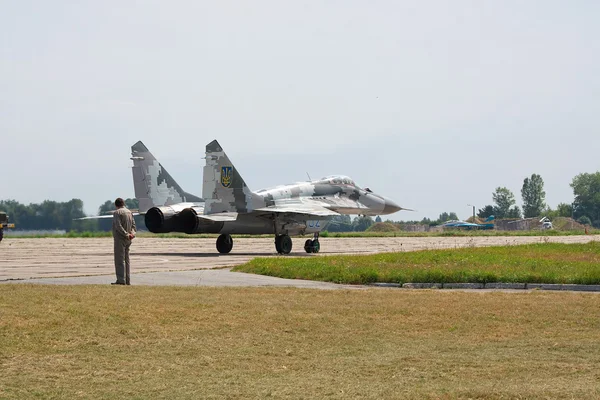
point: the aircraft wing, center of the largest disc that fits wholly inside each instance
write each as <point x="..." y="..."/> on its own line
<point x="104" y="216"/>
<point x="299" y="208"/>
<point x="220" y="217"/>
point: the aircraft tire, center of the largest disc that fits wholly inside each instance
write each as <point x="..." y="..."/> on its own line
<point x="286" y="244"/>
<point x="308" y="246"/>
<point x="316" y="246"/>
<point x="283" y="244"/>
<point x="224" y="243"/>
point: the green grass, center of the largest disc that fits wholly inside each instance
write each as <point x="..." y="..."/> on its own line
<point x="534" y="263"/>
<point x="460" y="233"/>
<point x="103" y="342"/>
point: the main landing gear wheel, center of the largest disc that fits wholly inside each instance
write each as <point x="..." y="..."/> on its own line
<point x="224" y="243"/>
<point x="283" y="244"/>
<point x="312" y="246"/>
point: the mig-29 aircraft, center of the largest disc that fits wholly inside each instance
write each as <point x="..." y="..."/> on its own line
<point x="229" y="207"/>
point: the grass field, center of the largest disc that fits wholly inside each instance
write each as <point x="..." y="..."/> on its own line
<point x="534" y="263"/>
<point x="462" y="233"/>
<point x="189" y="343"/>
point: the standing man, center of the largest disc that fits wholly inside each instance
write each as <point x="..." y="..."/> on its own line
<point x="123" y="230"/>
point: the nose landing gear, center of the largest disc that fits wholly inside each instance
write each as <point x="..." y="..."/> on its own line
<point x="312" y="246"/>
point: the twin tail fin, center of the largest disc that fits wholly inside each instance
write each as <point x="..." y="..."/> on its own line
<point x="223" y="188"/>
<point x="153" y="185"/>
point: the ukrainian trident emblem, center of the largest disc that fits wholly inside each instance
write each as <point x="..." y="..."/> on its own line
<point x="226" y="176"/>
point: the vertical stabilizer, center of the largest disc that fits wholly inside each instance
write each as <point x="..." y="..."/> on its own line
<point x="223" y="188"/>
<point x="153" y="185"/>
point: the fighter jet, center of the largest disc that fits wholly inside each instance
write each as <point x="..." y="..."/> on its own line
<point x="230" y="207"/>
<point x="488" y="224"/>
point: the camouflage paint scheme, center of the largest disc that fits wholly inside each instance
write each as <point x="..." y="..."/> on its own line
<point x="229" y="206"/>
<point x="152" y="183"/>
<point x="157" y="191"/>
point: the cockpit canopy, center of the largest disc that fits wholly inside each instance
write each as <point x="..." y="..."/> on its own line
<point x="337" y="180"/>
<point x="328" y="180"/>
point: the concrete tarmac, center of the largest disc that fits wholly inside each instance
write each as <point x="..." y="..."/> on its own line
<point x="196" y="262"/>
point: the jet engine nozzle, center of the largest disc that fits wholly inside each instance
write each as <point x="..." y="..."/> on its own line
<point x="160" y="219"/>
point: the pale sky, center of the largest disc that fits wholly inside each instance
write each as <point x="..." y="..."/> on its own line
<point x="431" y="103"/>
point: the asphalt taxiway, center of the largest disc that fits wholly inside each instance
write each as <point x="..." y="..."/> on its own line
<point x="195" y="261"/>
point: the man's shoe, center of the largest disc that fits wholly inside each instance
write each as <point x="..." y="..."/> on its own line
<point x="117" y="283"/>
<point x="128" y="283"/>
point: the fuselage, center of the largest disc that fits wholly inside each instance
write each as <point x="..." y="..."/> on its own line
<point x="337" y="193"/>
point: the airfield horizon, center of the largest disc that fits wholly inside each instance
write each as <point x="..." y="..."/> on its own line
<point x="38" y="234"/>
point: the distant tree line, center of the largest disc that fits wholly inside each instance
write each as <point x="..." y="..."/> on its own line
<point x="48" y="215"/>
<point x="53" y="215"/>
<point x="585" y="207"/>
<point x="344" y="223"/>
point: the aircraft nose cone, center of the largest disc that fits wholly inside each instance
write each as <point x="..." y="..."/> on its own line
<point x="390" y="207"/>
